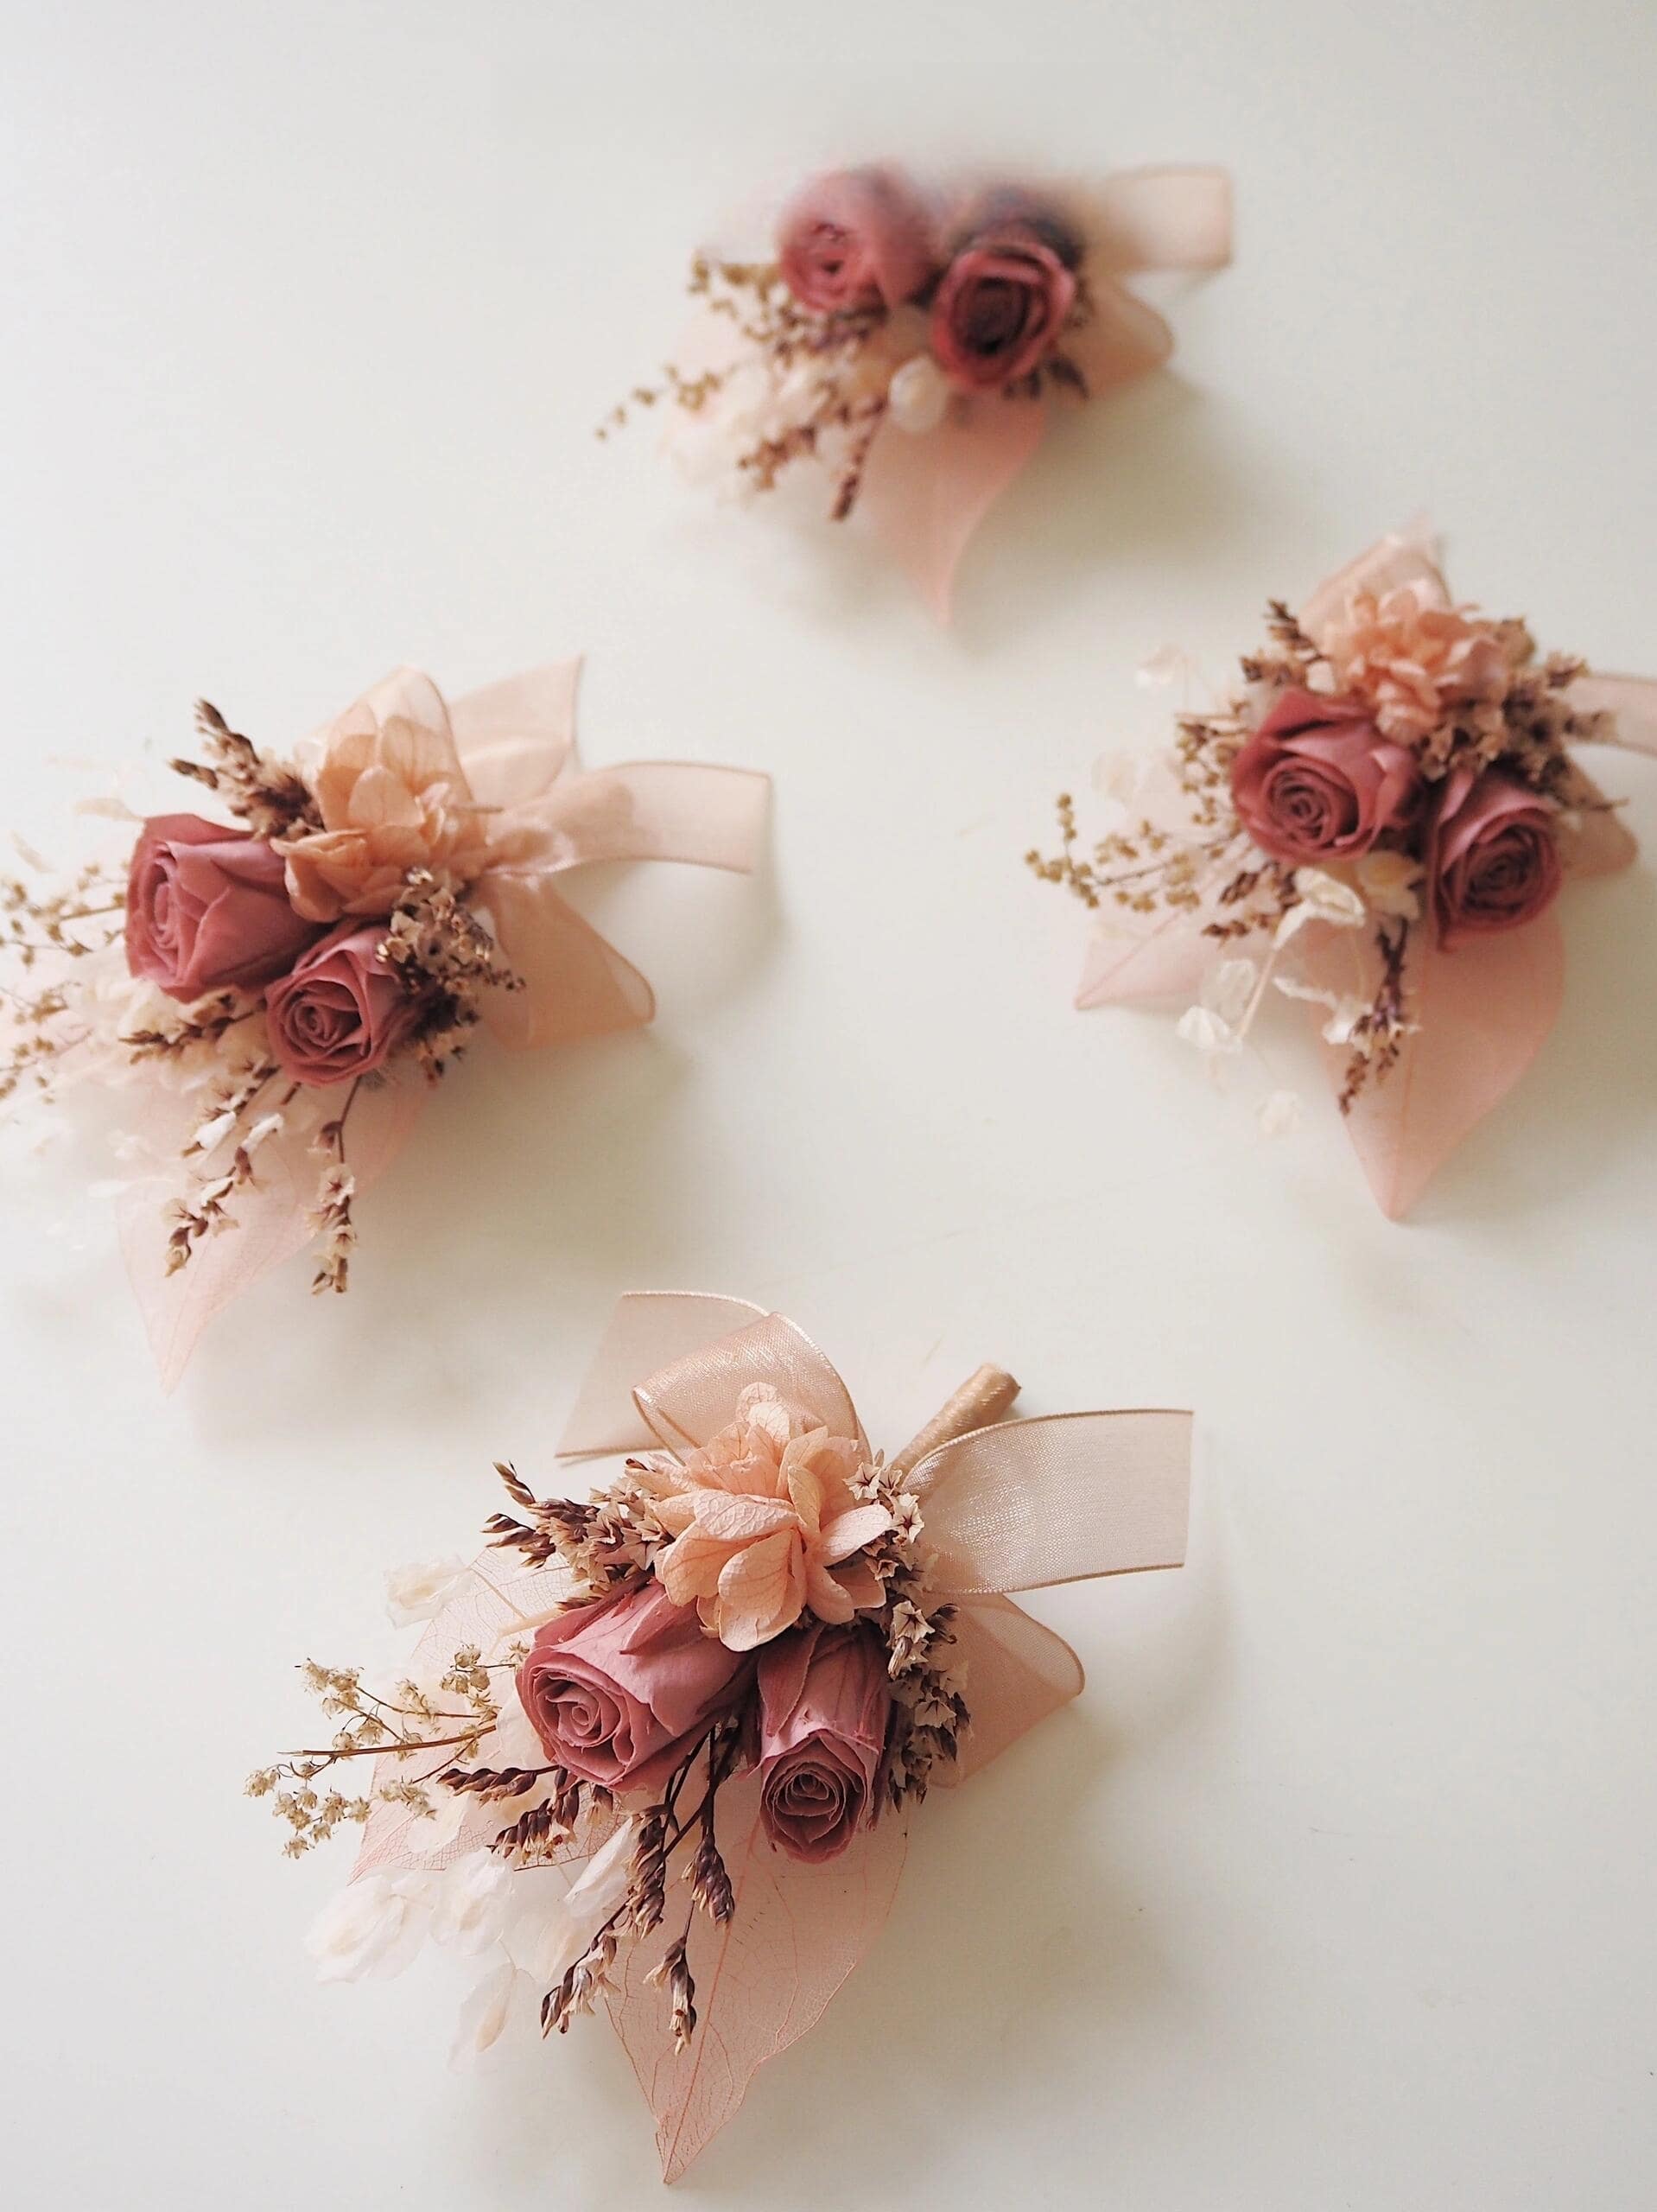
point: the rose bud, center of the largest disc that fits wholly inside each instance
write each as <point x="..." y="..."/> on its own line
<point x="824" y="1702"/>
<point x="341" y="1010"/>
<point x="619" y="1691"/>
<point x="1317" y="781"/>
<point x="1003" y="302"/>
<point x="856" y="239"/>
<point x="207" y="910"/>
<point x="1496" y="855"/>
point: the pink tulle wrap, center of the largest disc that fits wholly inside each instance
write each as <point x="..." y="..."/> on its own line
<point x="1017" y="1506"/>
<point x="1481" y="1009"/>
<point x="512" y="754"/>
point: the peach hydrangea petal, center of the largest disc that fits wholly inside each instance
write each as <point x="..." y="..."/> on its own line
<point x="690" y="1569"/>
<point x="805" y="1494"/>
<point x="731" y="1519"/>
<point x="827" y="1598"/>
<point x="761" y="1590"/>
<point x="858" y="1581"/>
<point x="851" y="1532"/>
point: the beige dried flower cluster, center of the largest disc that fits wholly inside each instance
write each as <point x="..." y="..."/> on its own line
<point x="410" y="1724"/>
<point x="41" y="1021"/>
<point x="809" y="386"/>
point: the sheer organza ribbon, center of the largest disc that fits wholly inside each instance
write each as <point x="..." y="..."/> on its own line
<point x="1481" y="1012"/>
<point x="509" y="756"/>
<point x="925" y="495"/>
<point x="1017" y="1506"/>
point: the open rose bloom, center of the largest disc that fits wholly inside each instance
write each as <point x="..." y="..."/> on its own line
<point x="1378" y="826"/>
<point x="665" y="1761"/>
<point x="275" y="994"/>
<point x="904" y="342"/>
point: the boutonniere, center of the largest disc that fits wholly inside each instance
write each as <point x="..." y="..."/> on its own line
<point x="275" y="981"/>
<point x="905" y="343"/>
<point x="657" y="1750"/>
<point x="1377" y="823"/>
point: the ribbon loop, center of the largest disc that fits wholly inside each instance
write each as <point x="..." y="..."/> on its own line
<point x="693" y="1400"/>
<point x="1167" y="218"/>
<point x="648" y="1331"/>
<point x="1060" y="1498"/>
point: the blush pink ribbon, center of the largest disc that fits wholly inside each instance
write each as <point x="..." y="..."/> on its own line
<point x="925" y="495"/>
<point x="1021" y="1505"/>
<point x="511" y="755"/>
<point x="1481" y="1011"/>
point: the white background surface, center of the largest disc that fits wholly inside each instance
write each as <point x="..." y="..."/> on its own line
<point x="1335" y="1890"/>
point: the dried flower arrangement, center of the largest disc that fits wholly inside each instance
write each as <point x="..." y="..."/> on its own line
<point x="947" y="318"/>
<point x="724" y="1678"/>
<point x="1387" y="808"/>
<point x="279" y="988"/>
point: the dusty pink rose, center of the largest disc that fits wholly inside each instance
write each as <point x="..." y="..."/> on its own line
<point x="207" y="910"/>
<point x="859" y="239"/>
<point x="1415" y="659"/>
<point x="341" y="1011"/>
<point x="824" y="1703"/>
<point x="1317" y="781"/>
<point x="766" y="1524"/>
<point x="617" y="1691"/>
<point x="1496" y="855"/>
<point x="393" y="796"/>
<point x="1003" y="302"/>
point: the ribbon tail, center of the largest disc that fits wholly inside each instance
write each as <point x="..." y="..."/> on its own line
<point x="1061" y="1498"/>
<point x="575" y="983"/>
<point x="924" y="495"/>
<point x="686" y="1403"/>
<point x="1594" y="840"/>
<point x="1631" y="699"/>
<point x="1174" y="218"/>
<point x="1015" y="1673"/>
<point x="762" y="1977"/>
<point x="1124" y="338"/>
<point x="1481" y="1012"/>
<point x="684" y="810"/>
<point x="271" y="1217"/>
<point x="516" y="737"/>
<point x="648" y="1331"/>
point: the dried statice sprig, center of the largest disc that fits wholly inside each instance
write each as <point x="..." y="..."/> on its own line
<point x="271" y="798"/>
<point x="663" y="1829"/>
<point x="929" y="1713"/>
<point x="412" y="1725"/>
<point x="447" y="959"/>
<point x="605" y="1540"/>
<point x="207" y="1207"/>
<point x="672" y="1972"/>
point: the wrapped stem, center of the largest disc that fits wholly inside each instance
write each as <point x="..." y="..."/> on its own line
<point x="986" y="1396"/>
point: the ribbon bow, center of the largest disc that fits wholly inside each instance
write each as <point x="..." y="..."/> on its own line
<point x="503" y="759"/>
<point x="1013" y="1506"/>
